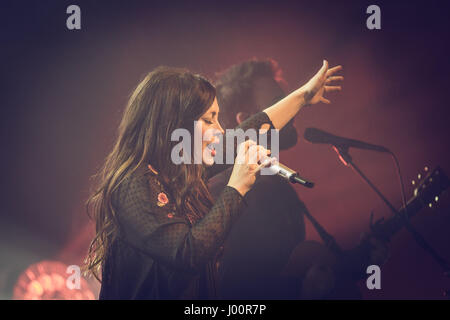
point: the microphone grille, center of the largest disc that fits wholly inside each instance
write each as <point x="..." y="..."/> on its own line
<point x="313" y="135"/>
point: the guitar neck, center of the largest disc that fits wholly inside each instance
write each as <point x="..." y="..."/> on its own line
<point x="427" y="191"/>
<point x="391" y="226"/>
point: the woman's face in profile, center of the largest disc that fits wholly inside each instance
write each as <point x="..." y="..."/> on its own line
<point x="208" y="127"/>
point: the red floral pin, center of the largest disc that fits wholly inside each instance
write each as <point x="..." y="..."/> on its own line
<point x="162" y="199"/>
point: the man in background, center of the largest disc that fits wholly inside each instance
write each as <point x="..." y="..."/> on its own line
<point x="260" y="243"/>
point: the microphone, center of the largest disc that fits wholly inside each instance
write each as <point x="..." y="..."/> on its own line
<point x="288" y="174"/>
<point x="315" y="135"/>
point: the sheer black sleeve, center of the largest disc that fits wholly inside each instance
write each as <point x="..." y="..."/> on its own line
<point x="158" y="230"/>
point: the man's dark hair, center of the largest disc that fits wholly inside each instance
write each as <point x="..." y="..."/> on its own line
<point x="234" y="87"/>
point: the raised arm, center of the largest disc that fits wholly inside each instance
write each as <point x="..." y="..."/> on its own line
<point x="310" y="93"/>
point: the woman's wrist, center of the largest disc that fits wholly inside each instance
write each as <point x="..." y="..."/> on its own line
<point x="286" y="109"/>
<point x="302" y="97"/>
<point x="241" y="189"/>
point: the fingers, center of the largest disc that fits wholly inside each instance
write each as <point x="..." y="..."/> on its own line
<point x="334" y="78"/>
<point x="330" y="78"/>
<point x="267" y="163"/>
<point x="256" y="154"/>
<point x="333" y="70"/>
<point x="325" y="100"/>
<point x="323" y="70"/>
<point x="332" y="88"/>
<point x="250" y="153"/>
<point x="324" y="66"/>
<point x="242" y="151"/>
<point x="244" y="146"/>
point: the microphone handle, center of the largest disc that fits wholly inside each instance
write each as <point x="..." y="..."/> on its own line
<point x="290" y="175"/>
<point x="295" y="178"/>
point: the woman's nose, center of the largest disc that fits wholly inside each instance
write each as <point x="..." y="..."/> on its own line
<point x="219" y="127"/>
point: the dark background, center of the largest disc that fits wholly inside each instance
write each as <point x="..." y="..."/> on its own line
<point x="63" y="92"/>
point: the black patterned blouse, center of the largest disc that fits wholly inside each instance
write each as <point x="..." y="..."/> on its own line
<point x="160" y="253"/>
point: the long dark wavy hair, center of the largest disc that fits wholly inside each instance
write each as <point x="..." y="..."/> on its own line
<point x="165" y="100"/>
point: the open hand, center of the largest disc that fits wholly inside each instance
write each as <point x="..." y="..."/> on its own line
<point x="320" y="84"/>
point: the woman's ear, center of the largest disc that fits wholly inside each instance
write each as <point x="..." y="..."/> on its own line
<point x="241" y="116"/>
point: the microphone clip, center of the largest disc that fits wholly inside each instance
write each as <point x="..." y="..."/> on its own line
<point x="343" y="154"/>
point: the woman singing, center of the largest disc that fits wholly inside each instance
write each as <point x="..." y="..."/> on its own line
<point x="157" y="229"/>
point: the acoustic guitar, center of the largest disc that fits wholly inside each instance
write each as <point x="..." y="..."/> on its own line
<point x="328" y="273"/>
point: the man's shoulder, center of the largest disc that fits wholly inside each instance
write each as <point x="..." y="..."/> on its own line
<point x="272" y="188"/>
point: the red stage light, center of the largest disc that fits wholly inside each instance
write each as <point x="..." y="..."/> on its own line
<point x="46" y="280"/>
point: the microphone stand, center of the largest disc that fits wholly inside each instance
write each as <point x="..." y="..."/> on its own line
<point x="342" y="151"/>
<point x="329" y="241"/>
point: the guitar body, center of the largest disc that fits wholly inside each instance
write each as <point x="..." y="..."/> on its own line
<point x="316" y="265"/>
